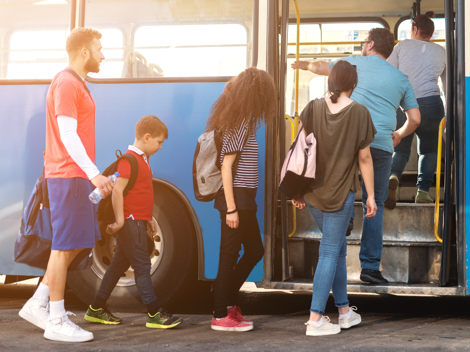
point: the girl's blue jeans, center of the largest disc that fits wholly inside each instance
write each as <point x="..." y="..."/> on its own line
<point x="331" y="271"/>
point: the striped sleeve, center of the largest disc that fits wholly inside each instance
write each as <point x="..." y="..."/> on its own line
<point x="234" y="140"/>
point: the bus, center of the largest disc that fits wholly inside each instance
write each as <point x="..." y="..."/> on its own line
<point x="185" y="52"/>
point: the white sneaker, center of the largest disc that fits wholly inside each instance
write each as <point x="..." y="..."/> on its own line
<point x="354" y="319"/>
<point x="325" y="328"/>
<point x="36" y="311"/>
<point x="63" y="329"/>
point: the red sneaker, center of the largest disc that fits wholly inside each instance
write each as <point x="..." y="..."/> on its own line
<point x="230" y="323"/>
<point x="237" y="312"/>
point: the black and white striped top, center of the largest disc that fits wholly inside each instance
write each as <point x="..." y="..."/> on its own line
<point x="247" y="172"/>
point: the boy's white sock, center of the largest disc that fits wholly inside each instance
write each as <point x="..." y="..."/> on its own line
<point x="348" y="314"/>
<point x="316" y="323"/>
<point x="57" y="309"/>
<point x="42" y="292"/>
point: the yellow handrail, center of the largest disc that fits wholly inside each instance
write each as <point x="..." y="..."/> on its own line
<point x="294" y="209"/>
<point x="347" y="42"/>
<point x="438" y="182"/>
<point x="295" y="122"/>
<point x="292" y="133"/>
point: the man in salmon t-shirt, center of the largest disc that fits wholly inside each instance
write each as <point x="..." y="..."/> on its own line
<point x="69" y="168"/>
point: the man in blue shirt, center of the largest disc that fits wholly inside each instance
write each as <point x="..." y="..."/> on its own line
<point x="382" y="89"/>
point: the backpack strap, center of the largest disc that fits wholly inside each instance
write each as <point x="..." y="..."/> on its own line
<point x="73" y="73"/>
<point x="134" y="171"/>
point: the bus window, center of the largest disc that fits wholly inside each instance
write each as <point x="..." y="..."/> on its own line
<point x="183" y="38"/>
<point x="310" y="86"/>
<point x="32" y="38"/>
<point x="309" y="33"/>
<point x="346" y="32"/>
<point x="37" y="54"/>
<point x="214" y="49"/>
<point x="113" y="51"/>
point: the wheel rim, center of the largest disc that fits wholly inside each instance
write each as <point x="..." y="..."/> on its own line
<point x="103" y="254"/>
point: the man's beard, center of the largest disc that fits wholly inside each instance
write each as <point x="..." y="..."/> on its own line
<point x="92" y="65"/>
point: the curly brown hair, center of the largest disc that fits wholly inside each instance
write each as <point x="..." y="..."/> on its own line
<point x="250" y="96"/>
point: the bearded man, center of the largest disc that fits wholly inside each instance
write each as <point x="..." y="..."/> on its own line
<point x="71" y="176"/>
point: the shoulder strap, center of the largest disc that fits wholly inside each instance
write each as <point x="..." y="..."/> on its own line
<point x="307" y="122"/>
<point x="134" y="171"/>
<point x="239" y="155"/>
<point x="73" y="73"/>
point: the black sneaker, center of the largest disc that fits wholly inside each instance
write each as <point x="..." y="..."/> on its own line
<point x="350" y="227"/>
<point x="101" y="315"/>
<point x="162" y="320"/>
<point x="373" y="277"/>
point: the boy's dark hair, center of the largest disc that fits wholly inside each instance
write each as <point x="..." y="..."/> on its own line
<point x="383" y="41"/>
<point x="342" y="78"/>
<point x="152" y="125"/>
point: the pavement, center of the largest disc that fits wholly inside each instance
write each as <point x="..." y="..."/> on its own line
<point x="390" y="323"/>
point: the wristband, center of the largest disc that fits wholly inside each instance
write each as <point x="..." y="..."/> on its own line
<point x="232" y="212"/>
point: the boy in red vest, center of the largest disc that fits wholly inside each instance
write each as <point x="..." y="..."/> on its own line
<point x="134" y="221"/>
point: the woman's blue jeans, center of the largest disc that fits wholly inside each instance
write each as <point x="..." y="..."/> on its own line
<point x="331" y="273"/>
<point x="432" y="111"/>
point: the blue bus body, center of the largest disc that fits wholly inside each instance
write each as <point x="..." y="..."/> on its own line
<point x="183" y="107"/>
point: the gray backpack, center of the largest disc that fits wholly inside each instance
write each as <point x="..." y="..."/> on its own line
<point x="207" y="175"/>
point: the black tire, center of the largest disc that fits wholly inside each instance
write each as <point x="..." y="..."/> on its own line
<point x="178" y="263"/>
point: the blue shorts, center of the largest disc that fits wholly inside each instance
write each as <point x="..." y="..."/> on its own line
<point x="73" y="216"/>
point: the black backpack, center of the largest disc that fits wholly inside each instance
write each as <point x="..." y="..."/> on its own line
<point x="105" y="207"/>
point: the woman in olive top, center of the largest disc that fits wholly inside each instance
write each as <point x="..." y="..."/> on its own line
<point x="344" y="130"/>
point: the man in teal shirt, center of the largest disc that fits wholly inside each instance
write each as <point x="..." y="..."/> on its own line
<point x="382" y="89"/>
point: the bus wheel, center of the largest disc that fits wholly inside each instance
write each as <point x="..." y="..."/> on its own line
<point x="173" y="256"/>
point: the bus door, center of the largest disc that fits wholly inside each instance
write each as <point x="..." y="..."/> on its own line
<point x="421" y="241"/>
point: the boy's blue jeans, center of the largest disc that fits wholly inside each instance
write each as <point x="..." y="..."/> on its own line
<point x="131" y="249"/>
<point x="373" y="228"/>
<point x="331" y="273"/>
<point x="432" y="111"/>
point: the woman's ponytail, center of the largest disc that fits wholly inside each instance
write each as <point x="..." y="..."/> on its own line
<point x="342" y="78"/>
<point x="335" y="95"/>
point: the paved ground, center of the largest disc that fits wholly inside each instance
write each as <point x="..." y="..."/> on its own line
<point x="390" y="323"/>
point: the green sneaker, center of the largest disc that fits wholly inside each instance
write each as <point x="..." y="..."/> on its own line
<point x="423" y="197"/>
<point x="391" y="201"/>
<point x="163" y="320"/>
<point x="102" y="315"/>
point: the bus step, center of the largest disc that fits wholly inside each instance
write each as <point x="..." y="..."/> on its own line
<point x="408" y="222"/>
<point x="411" y="253"/>
<point x="357" y="287"/>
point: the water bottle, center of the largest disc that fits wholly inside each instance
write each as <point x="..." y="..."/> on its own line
<point x="95" y="196"/>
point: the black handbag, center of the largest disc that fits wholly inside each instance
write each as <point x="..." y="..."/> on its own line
<point x="33" y="245"/>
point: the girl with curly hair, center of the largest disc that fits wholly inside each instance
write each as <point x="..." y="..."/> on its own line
<point x="247" y="101"/>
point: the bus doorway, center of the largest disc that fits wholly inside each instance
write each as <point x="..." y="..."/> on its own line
<point x="423" y="247"/>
